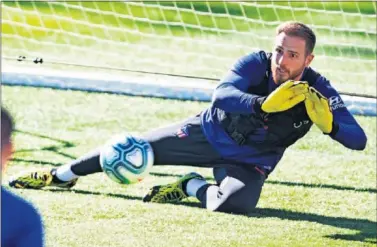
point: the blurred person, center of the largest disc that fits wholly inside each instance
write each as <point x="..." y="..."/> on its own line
<point x="21" y="224"/>
<point x="263" y="105"/>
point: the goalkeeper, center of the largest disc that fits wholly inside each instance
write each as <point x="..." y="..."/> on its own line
<point x="263" y="105"/>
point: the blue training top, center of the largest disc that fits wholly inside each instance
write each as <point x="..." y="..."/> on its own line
<point x="21" y="224"/>
<point x="230" y="96"/>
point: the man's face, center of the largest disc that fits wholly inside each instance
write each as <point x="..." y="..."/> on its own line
<point x="289" y="58"/>
<point x="6" y="154"/>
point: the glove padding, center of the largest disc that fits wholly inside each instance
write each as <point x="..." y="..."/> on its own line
<point x="286" y="96"/>
<point x="319" y="111"/>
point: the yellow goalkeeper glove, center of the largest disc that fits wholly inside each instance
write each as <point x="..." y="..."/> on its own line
<point x="319" y="111"/>
<point x="286" y="96"/>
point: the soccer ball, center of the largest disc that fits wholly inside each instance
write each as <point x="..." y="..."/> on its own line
<point x="126" y="159"/>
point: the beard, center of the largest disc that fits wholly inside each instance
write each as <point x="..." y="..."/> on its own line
<point x="281" y="75"/>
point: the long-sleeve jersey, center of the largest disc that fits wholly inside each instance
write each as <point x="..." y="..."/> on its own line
<point x="21" y="224"/>
<point x="231" y="96"/>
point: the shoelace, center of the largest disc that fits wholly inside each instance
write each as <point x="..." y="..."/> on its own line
<point x="35" y="175"/>
<point x="167" y="195"/>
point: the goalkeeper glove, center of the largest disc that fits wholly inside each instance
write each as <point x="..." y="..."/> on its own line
<point x="319" y="111"/>
<point x="286" y="96"/>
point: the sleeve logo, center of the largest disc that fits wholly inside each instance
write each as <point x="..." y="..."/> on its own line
<point x="182" y="132"/>
<point x="336" y="102"/>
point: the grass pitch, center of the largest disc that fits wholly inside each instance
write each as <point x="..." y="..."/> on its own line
<point x="321" y="194"/>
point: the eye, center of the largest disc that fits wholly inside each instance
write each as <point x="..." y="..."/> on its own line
<point x="278" y="50"/>
<point x="293" y="55"/>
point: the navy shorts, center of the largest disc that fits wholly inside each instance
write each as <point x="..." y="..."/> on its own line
<point x="238" y="186"/>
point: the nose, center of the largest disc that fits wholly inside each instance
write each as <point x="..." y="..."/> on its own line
<point x="280" y="59"/>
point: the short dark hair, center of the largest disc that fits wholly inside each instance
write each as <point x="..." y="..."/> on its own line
<point x="7" y="127"/>
<point x="298" y="29"/>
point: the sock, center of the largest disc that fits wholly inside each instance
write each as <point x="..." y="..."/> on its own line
<point x="64" y="173"/>
<point x="193" y="185"/>
<point x="87" y="164"/>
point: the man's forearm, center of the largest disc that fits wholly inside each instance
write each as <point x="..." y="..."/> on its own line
<point x="230" y="99"/>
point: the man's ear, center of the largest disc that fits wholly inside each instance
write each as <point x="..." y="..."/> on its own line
<point x="309" y="59"/>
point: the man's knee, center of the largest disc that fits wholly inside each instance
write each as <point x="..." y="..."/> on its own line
<point x="235" y="205"/>
<point x="231" y="197"/>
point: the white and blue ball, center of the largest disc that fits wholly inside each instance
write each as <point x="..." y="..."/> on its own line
<point x="126" y="159"/>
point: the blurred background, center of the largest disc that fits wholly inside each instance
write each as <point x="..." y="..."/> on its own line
<point x="199" y="39"/>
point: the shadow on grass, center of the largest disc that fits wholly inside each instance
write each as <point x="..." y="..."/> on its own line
<point x="295" y="184"/>
<point x="53" y="148"/>
<point x="86" y="192"/>
<point x="324" y="186"/>
<point x="64" y="144"/>
<point x="56" y="149"/>
<point x="39" y="162"/>
<point x="366" y="228"/>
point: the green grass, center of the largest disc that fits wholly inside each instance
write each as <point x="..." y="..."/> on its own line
<point x="126" y="40"/>
<point x="321" y="194"/>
